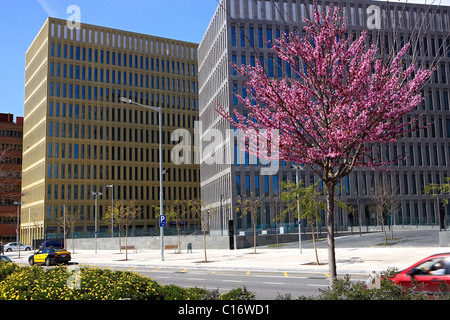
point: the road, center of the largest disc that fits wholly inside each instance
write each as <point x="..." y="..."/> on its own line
<point x="266" y="285"/>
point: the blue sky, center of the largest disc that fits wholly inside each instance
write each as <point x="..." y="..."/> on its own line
<point x="21" y="20"/>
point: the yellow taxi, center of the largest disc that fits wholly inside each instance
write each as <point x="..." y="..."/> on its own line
<point x="50" y="256"/>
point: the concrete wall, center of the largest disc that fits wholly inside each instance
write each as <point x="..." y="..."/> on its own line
<point x="212" y="242"/>
<point x="443" y="238"/>
<point x="149" y="243"/>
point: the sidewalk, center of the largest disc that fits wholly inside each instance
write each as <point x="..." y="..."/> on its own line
<point x="355" y="254"/>
<point x="349" y="260"/>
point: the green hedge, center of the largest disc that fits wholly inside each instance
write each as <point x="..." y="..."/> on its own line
<point x="59" y="283"/>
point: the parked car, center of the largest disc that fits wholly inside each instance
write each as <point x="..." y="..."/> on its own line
<point x="50" y="256"/>
<point x="14" y="246"/>
<point x="57" y="244"/>
<point x="5" y="259"/>
<point x="427" y="274"/>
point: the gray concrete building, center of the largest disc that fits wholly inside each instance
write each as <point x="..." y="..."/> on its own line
<point x="236" y="35"/>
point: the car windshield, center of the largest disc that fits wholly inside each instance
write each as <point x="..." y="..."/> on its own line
<point x="434" y="264"/>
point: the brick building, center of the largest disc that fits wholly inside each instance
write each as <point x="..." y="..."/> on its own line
<point x="11" y="134"/>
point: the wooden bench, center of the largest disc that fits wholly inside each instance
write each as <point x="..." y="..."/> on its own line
<point x="128" y="248"/>
<point x="171" y="246"/>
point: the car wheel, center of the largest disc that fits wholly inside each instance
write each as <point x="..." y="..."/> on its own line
<point x="8" y="250"/>
<point x="48" y="262"/>
<point x="31" y="261"/>
<point x="27" y="249"/>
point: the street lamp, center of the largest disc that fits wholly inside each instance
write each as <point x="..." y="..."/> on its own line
<point x="96" y="194"/>
<point x="297" y="169"/>
<point x="18" y="203"/>
<point x="129" y="101"/>
<point x="112" y="208"/>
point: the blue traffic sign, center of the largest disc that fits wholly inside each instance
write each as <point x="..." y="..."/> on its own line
<point x="162" y="221"/>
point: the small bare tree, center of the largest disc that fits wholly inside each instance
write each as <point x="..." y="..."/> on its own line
<point x="63" y="223"/>
<point x="124" y="213"/>
<point x="278" y="213"/>
<point x="250" y="205"/>
<point x="195" y="207"/>
<point x="384" y="202"/>
<point x="175" y="212"/>
<point x="206" y="219"/>
<point x="67" y="222"/>
<point x="127" y="217"/>
<point x="308" y="200"/>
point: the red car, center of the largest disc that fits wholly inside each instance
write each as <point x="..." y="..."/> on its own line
<point x="428" y="274"/>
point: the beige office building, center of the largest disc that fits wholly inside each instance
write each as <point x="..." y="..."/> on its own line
<point x="79" y="138"/>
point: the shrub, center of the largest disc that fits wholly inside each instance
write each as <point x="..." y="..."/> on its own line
<point x="345" y="289"/>
<point x="36" y="283"/>
<point x="173" y="292"/>
<point x="240" y="293"/>
<point x="6" y="269"/>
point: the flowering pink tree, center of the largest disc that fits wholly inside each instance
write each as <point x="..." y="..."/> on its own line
<point x="345" y="100"/>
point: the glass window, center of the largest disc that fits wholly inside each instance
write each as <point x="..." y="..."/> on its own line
<point x="269" y="37"/>
<point x="260" y="37"/>
<point x="266" y="186"/>
<point x="233" y="36"/>
<point x="275" y="184"/>
<point x="435" y="266"/>
<point x="270" y="62"/>
<point x="238" y="184"/>
<point x="247" y="185"/>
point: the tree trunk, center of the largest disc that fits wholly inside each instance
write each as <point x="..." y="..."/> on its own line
<point x="120" y="241"/>
<point x="254" y="238"/>
<point x="392" y="224"/>
<point x="204" y="243"/>
<point x="126" y="243"/>
<point x="314" y="241"/>
<point x="330" y="231"/>
<point x="385" y="233"/>
<point x="276" y="228"/>
<point x="179" y="239"/>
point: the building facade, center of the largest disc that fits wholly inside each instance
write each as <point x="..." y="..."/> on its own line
<point x="237" y="34"/>
<point x="11" y="134"/>
<point x="80" y="138"/>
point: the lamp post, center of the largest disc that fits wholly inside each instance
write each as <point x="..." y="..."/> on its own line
<point x="126" y="100"/>
<point x="297" y="169"/>
<point x="96" y="194"/>
<point x="358" y="199"/>
<point x="112" y="209"/>
<point x="18" y="203"/>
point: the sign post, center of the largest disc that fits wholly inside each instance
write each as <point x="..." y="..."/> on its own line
<point x="162" y="221"/>
<point x="162" y="225"/>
